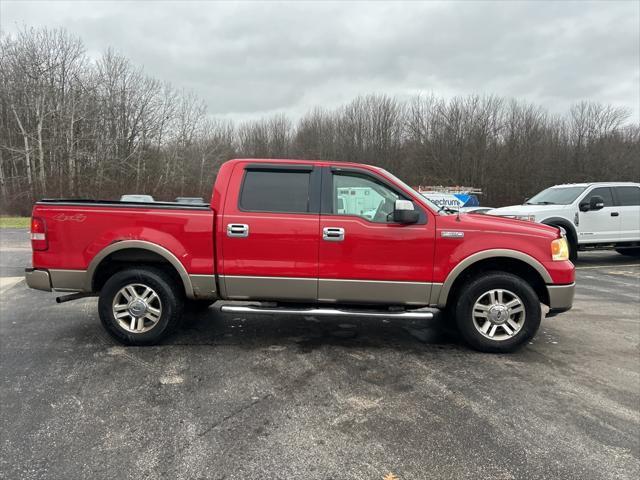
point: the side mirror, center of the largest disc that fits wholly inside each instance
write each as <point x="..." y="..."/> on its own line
<point x="596" y="203"/>
<point x="403" y="212"/>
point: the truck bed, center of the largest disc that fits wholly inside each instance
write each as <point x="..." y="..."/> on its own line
<point x="77" y="229"/>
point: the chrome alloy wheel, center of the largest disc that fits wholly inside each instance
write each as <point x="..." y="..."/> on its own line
<point x="498" y="314"/>
<point x="137" y="308"/>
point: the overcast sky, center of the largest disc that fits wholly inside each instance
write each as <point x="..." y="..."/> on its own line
<point x="253" y="58"/>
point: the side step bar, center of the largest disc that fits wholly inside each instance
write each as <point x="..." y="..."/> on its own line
<point x="328" y="312"/>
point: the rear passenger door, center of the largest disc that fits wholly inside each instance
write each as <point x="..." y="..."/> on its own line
<point x="628" y="200"/>
<point x="270" y="232"/>
<point x="599" y="226"/>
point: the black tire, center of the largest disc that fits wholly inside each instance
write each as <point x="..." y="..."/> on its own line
<point x="169" y="294"/>
<point x="573" y="250"/>
<point x="196" y="306"/>
<point x="474" y="289"/>
<point x="572" y="242"/>
<point x="629" y="252"/>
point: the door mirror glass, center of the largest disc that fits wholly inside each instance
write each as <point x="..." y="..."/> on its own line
<point x="596" y="203"/>
<point x="403" y="212"/>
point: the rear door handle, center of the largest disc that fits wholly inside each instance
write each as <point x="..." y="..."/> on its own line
<point x="614" y="214"/>
<point x="333" y="234"/>
<point x="237" y="230"/>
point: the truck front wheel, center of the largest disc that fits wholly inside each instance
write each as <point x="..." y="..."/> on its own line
<point x="140" y="306"/>
<point x="497" y="312"/>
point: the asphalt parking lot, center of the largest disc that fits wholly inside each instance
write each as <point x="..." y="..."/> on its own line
<point x="263" y="397"/>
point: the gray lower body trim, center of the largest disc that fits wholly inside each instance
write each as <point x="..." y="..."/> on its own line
<point x="561" y="296"/>
<point x="204" y="286"/>
<point x="269" y="288"/>
<point x="325" y="290"/>
<point x="373" y="291"/>
<point x="436" y="288"/>
<point x="68" y="280"/>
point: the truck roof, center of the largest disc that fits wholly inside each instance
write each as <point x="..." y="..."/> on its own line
<point x="300" y="161"/>
<point x="589" y="184"/>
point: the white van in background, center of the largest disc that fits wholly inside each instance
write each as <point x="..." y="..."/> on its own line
<point x="593" y="215"/>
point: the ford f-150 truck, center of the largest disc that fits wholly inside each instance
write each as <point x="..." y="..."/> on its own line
<point x="283" y="234"/>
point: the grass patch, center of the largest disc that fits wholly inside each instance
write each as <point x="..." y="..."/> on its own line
<point x="15" y="222"/>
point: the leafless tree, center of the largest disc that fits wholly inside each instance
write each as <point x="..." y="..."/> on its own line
<point x="75" y="126"/>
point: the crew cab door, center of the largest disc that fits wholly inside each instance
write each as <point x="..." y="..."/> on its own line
<point x="269" y="232"/>
<point x="365" y="257"/>
<point x="599" y="226"/>
<point x="628" y="200"/>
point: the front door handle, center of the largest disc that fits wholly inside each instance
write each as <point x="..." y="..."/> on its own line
<point x="614" y="214"/>
<point x="333" y="234"/>
<point x="237" y="230"/>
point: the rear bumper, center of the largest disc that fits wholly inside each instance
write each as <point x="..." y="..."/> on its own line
<point x="560" y="298"/>
<point x="38" y="279"/>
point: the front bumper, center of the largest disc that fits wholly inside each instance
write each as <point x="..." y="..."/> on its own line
<point x="38" y="279"/>
<point x="560" y="298"/>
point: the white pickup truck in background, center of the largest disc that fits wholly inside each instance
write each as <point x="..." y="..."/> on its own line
<point x="593" y="215"/>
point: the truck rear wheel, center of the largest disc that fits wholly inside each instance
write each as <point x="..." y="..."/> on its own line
<point x="140" y="306"/>
<point x="497" y="312"/>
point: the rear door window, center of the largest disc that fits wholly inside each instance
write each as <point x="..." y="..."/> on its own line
<point x="628" y="196"/>
<point x="275" y="191"/>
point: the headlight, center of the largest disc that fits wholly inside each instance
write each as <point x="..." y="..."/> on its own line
<point x="526" y="218"/>
<point x="559" y="249"/>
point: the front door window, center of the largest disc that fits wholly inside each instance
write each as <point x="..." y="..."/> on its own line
<point x="362" y="197"/>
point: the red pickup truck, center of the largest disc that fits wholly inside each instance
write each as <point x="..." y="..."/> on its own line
<point x="303" y="237"/>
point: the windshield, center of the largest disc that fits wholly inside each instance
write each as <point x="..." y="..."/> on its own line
<point x="556" y="196"/>
<point x="435" y="207"/>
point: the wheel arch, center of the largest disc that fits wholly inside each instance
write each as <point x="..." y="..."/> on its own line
<point x="511" y="261"/>
<point x="135" y="251"/>
<point x="565" y="223"/>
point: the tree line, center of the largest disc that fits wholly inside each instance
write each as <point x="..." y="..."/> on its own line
<point x="73" y="126"/>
